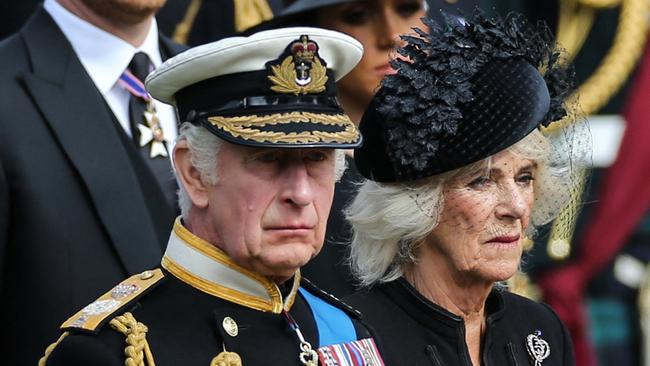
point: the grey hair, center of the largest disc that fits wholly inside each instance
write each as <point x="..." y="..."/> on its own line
<point x="389" y="220"/>
<point x="204" y="150"/>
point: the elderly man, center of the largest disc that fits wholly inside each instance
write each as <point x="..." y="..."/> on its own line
<point x="256" y="163"/>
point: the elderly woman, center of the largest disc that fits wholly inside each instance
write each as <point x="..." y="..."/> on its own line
<point x="461" y="169"/>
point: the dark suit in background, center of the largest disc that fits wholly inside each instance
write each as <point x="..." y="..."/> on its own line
<point x="74" y="217"/>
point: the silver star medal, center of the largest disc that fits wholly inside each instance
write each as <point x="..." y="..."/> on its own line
<point x="538" y="349"/>
<point x="152" y="133"/>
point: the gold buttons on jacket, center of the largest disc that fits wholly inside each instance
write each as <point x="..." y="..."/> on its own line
<point x="146" y="275"/>
<point x="230" y="326"/>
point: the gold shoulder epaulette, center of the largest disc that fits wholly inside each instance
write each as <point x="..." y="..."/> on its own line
<point x="91" y="317"/>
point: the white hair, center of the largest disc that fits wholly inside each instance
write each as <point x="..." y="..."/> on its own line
<point x="389" y="220"/>
<point x="204" y="151"/>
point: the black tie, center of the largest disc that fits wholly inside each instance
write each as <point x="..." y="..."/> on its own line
<point x="144" y="124"/>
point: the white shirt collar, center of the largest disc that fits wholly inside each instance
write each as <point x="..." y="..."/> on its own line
<point x="91" y="43"/>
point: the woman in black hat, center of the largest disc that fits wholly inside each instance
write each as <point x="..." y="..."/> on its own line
<point x="462" y="166"/>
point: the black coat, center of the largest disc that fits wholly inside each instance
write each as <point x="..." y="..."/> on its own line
<point x="73" y="218"/>
<point x="185" y="327"/>
<point x="412" y="331"/>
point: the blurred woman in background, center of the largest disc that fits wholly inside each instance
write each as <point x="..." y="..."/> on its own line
<point x="377" y="24"/>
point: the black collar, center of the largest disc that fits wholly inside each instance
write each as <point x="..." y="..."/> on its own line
<point x="432" y="315"/>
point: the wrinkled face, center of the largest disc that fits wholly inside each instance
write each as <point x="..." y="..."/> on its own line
<point x="377" y="25"/>
<point x="269" y="208"/>
<point x="485" y="214"/>
<point x="125" y="11"/>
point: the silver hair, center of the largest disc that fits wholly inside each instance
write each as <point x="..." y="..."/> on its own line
<point x="204" y="151"/>
<point x="389" y="220"/>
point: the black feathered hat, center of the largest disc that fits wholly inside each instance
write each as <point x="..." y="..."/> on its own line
<point x="462" y="92"/>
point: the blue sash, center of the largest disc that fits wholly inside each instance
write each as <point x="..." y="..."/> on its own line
<point x="334" y="326"/>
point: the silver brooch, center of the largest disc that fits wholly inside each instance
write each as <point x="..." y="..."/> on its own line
<point x="538" y="348"/>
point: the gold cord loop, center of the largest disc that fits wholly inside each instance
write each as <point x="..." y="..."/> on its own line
<point x="137" y="349"/>
<point x="50" y="348"/>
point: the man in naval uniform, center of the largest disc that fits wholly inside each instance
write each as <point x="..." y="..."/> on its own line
<point x="256" y="161"/>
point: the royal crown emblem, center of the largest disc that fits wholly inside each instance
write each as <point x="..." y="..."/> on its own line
<point x="301" y="70"/>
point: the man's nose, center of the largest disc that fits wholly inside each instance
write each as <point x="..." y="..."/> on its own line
<point x="297" y="186"/>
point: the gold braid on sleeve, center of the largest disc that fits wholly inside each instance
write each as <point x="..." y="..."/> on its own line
<point x="183" y="29"/>
<point x="249" y="13"/>
<point x="137" y="349"/>
<point x="618" y="63"/>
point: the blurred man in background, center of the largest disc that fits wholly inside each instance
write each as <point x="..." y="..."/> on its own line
<point x="86" y="189"/>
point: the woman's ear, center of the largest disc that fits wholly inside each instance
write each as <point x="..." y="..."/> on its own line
<point x="189" y="176"/>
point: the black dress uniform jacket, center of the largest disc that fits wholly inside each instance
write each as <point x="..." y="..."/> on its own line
<point x="413" y="331"/>
<point x="190" y="320"/>
<point x="74" y="219"/>
<point x="185" y="327"/>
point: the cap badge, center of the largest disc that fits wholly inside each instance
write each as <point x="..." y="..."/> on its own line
<point x="301" y="71"/>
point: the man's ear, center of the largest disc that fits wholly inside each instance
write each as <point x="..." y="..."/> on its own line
<point x="189" y="176"/>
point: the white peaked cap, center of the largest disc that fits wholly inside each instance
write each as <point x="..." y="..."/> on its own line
<point x="243" y="54"/>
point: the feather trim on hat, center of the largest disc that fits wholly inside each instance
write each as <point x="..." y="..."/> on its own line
<point x="435" y="72"/>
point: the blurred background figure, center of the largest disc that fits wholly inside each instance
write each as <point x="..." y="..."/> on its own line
<point x="603" y="288"/>
<point x="591" y="270"/>
<point x="86" y="188"/>
<point x="376" y="24"/>
<point x="195" y="22"/>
